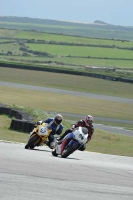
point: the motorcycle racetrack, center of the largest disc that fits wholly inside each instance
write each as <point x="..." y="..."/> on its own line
<point x="36" y="174"/>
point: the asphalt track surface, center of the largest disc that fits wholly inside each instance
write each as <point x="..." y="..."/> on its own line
<point x="89" y="95"/>
<point x="36" y="174"/>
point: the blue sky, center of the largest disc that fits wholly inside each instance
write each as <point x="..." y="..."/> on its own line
<point x="117" y="12"/>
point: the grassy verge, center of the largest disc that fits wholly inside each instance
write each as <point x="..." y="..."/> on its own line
<point x="111" y="143"/>
<point x="55" y="102"/>
<point x="66" y="81"/>
<point x="102" y="141"/>
<point x="52" y="102"/>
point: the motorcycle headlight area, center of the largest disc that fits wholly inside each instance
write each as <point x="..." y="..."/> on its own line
<point x="78" y="136"/>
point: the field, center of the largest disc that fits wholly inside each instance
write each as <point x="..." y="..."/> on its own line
<point x="67" y="51"/>
<point x="69" y="39"/>
<point x="74" y="51"/>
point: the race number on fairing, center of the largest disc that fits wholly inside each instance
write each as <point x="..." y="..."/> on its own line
<point x="81" y="136"/>
<point x="43" y="131"/>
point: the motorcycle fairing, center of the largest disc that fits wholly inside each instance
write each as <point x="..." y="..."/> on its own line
<point x="80" y="137"/>
<point x="43" y="131"/>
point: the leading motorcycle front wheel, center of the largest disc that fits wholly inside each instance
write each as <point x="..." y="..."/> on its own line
<point x="69" y="150"/>
<point x="32" y="142"/>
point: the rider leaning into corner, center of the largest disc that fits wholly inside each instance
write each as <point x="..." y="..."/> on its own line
<point x="86" y="122"/>
<point x="56" y="126"/>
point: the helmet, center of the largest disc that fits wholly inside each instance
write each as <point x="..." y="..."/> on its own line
<point x="88" y="120"/>
<point x="58" y="118"/>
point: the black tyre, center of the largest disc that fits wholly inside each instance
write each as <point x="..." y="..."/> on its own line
<point x="54" y="153"/>
<point x="32" y="142"/>
<point x="69" y="151"/>
<point x="32" y="146"/>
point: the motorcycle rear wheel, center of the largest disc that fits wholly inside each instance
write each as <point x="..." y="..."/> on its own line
<point x="69" y="151"/>
<point x="32" y="142"/>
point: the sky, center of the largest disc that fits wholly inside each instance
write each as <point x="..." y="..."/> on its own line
<point x="115" y="12"/>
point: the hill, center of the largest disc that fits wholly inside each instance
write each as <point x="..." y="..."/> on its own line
<point x="96" y="29"/>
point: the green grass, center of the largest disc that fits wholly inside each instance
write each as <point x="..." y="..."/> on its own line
<point x="79" y="51"/>
<point x="4" y="40"/>
<point x="68" y="82"/>
<point x="7" y="32"/>
<point x="69" y="39"/>
<point x="47" y="101"/>
<point x="111" y="143"/>
<point x="10" y="135"/>
<point x="10" y="47"/>
<point x="70" y="61"/>
<point x="63" y="38"/>
<point x="78" y="55"/>
<point x="102" y="141"/>
<point x="55" y="102"/>
<point x="85" y="30"/>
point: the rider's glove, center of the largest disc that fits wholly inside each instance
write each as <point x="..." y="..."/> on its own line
<point x="72" y="127"/>
<point x="38" y="123"/>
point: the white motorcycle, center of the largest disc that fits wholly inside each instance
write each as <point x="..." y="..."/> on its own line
<point x="71" y="142"/>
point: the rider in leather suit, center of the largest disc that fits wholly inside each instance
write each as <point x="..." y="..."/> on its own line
<point x="86" y="122"/>
<point x="56" y="126"/>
